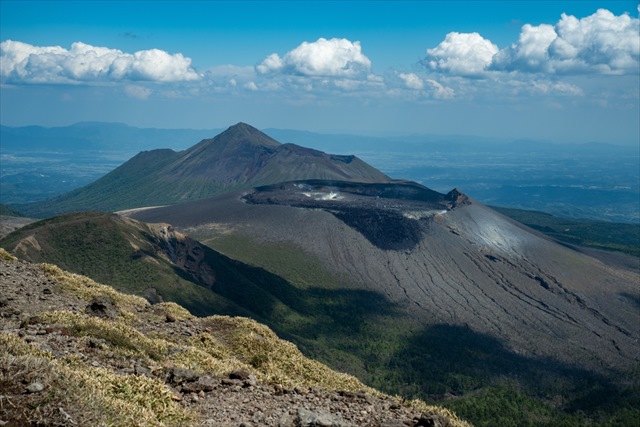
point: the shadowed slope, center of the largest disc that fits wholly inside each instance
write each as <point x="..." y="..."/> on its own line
<point x="530" y="319"/>
<point x="161" y="264"/>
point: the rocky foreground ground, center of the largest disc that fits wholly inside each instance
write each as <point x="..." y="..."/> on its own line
<point x="78" y="353"/>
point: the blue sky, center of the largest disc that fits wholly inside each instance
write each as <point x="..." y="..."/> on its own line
<point x="552" y="70"/>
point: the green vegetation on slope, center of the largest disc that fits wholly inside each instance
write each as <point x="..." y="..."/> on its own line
<point x="595" y="234"/>
<point x="115" y="251"/>
<point x="505" y="403"/>
<point x="7" y="211"/>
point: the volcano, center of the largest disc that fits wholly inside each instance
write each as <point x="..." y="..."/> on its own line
<point x="438" y="259"/>
<point x="240" y="157"/>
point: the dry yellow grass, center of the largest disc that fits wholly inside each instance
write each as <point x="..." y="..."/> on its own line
<point x="150" y="335"/>
<point x="277" y="361"/>
<point x="6" y="255"/>
<point x="117" y="332"/>
<point x="173" y="309"/>
<point x="86" y="395"/>
<point x="87" y="289"/>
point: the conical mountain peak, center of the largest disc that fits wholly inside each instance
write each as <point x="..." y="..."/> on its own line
<point x="242" y="127"/>
<point x="244" y="134"/>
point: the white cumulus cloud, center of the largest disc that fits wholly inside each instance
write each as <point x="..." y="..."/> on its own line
<point x="84" y="63"/>
<point x="530" y="53"/>
<point x="271" y="63"/>
<point x="464" y="54"/>
<point x="602" y="43"/>
<point x="251" y="86"/>
<point x="325" y="58"/>
<point x="412" y="81"/>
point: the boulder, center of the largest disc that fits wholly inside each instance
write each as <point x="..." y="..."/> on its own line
<point x="103" y="307"/>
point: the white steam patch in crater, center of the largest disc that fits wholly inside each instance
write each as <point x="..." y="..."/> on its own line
<point x="319" y="195"/>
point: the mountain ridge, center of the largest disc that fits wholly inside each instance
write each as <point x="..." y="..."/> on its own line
<point x="456" y="271"/>
<point x="240" y="157"/>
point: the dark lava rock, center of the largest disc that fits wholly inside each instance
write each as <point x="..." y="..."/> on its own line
<point x="457" y="198"/>
<point x="176" y="375"/>
<point x="152" y="295"/>
<point x="239" y="375"/>
<point x="104" y="307"/>
<point x="204" y="383"/>
<point x="247" y="378"/>
<point x="431" y="420"/>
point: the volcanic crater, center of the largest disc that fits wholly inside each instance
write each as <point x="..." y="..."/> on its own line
<point x="391" y="216"/>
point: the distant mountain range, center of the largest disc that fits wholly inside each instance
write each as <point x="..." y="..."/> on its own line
<point x="97" y="136"/>
<point x="105" y="136"/>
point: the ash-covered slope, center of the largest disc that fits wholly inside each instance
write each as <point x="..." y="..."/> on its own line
<point x="441" y="259"/>
<point x="240" y="157"/>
